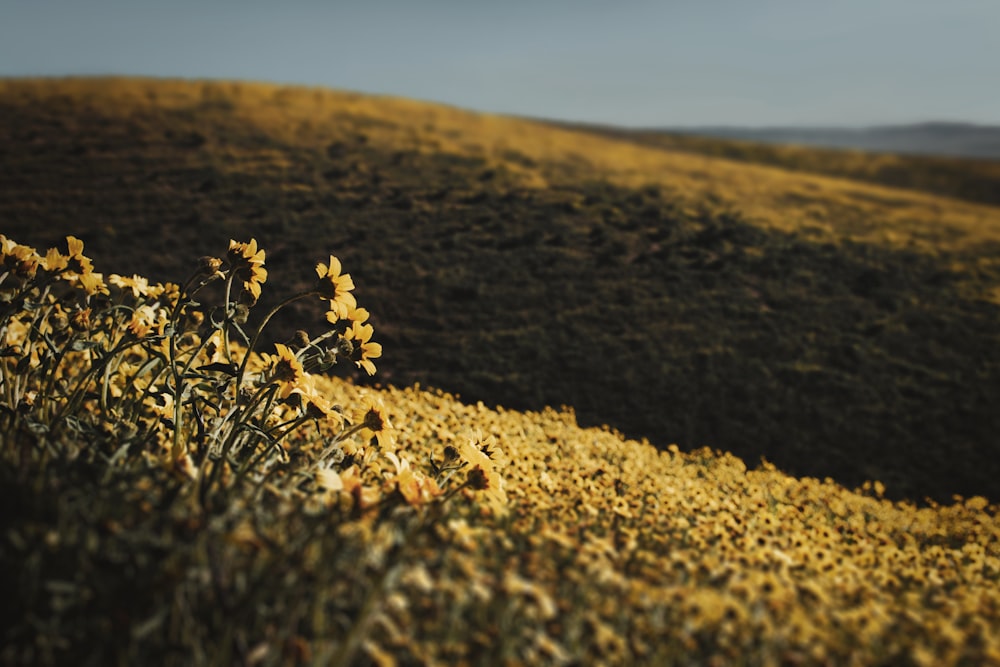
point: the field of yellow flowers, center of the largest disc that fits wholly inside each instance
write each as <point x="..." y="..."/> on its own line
<point x="176" y="491"/>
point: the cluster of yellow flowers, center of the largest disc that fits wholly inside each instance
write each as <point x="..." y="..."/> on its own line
<point x="610" y="551"/>
<point x="122" y="355"/>
<point x="134" y="363"/>
<point x="21" y="264"/>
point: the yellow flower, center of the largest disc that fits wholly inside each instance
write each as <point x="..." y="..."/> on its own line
<point x="55" y="260"/>
<point x="21" y="260"/>
<point x="415" y="487"/>
<point x="364" y="350"/>
<point x="483" y="475"/>
<point x="92" y="283"/>
<point x="315" y="404"/>
<point x="241" y="254"/>
<point x="336" y="287"/>
<point x="138" y="284"/>
<point x="144" y="319"/>
<point x="75" y="246"/>
<point x="214" y="350"/>
<point x="167" y="293"/>
<point x="287" y="371"/>
<point x="376" y="424"/>
<point x="247" y="263"/>
<point x="359" y="315"/>
<point x="79" y="269"/>
<point x="78" y="263"/>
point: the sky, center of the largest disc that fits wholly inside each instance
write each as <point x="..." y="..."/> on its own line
<point x="685" y="63"/>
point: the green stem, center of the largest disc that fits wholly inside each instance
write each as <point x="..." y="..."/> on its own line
<point x="225" y="329"/>
<point x="182" y="297"/>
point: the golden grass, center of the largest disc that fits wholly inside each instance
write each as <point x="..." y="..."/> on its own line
<point x="974" y="180"/>
<point x="546" y="156"/>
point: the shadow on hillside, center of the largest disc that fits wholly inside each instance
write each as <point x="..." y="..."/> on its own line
<point x="687" y="326"/>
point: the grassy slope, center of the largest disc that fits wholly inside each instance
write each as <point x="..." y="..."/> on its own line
<point x="612" y="553"/>
<point x="976" y="180"/>
<point x="835" y="327"/>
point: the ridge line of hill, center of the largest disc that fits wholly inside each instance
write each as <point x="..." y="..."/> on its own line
<point x="969" y="178"/>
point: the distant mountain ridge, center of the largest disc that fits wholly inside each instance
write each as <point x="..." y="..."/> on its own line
<point x="932" y="138"/>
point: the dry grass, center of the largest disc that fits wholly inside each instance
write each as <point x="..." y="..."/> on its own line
<point x="975" y="180"/>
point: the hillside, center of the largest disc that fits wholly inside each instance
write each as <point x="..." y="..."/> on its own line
<point x="959" y="140"/>
<point x="838" y="328"/>
<point x="975" y="177"/>
<point x="171" y="498"/>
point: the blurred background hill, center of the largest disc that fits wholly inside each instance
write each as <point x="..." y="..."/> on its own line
<point x="918" y="157"/>
<point x="941" y="138"/>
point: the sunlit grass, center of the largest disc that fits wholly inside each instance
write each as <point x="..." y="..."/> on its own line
<point x="976" y="180"/>
<point x="538" y="155"/>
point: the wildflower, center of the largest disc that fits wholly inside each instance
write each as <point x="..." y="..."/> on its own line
<point x="315" y="404"/>
<point x="336" y="287"/>
<point x="359" y="315"/>
<point x="75" y="247"/>
<point x="28" y="400"/>
<point x="247" y="263"/>
<point x="483" y="476"/>
<point x="20" y="260"/>
<point x="363" y="348"/>
<point x="363" y="496"/>
<point x="287" y="371"/>
<point x="78" y="263"/>
<point x="138" y="284"/>
<point x="166" y="292"/>
<point x="55" y="261"/>
<point x="491" y="449"/>
<point x="375" y="423"/>
<point x="160" y="403"/>
<point x="478" y="479"/>
<point x="92" y="283"/>
<point x="414" y="486"/>
<point x="143" y="320"/>
<point x="58" y="319"/>
<point x="214" y="351"/>
<point x="79" y="270"/>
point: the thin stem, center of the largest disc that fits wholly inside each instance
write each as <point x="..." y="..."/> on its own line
<point x="225" y="329"/>
<point x="260" y="329"/>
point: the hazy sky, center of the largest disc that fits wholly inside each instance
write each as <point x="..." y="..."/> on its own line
<point x="687" y="62"/>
